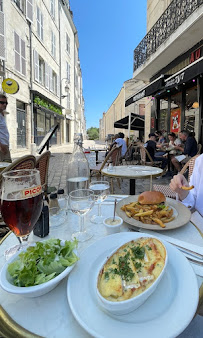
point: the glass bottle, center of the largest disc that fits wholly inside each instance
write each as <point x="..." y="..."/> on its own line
<point x="78" y="172"/>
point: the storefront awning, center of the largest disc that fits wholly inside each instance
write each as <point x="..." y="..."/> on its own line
<point x="150" y="89"/>
<point x="137" y="122"/>
<point x="186" y="74"/>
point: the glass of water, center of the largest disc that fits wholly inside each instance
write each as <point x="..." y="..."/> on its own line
<point x="101" y="191"/>
<point x="81" y="202"/>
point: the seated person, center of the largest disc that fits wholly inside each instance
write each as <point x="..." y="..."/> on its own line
<point x="112" y="144"/>
<point x="150" y="145"/>
<point x="189" y="149"/>
<point x="174" y="141"/>
<point x="121" y="142"/>
<point x="192" y="197"/>
<point x="161" y="142"/>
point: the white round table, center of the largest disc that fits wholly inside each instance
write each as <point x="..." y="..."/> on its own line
<point x="132" y="172"/>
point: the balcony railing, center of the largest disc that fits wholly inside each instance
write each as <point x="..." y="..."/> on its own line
<point x="175" y="14"/>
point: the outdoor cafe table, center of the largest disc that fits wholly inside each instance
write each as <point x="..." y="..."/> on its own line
<point x="97" y="152"/>
<point x="3" y="165"/>
<point x="132" y="172"/>
<point x="50" y="315"/>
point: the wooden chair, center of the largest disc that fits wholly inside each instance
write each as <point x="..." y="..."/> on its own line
<point x="166" y="190"/>
<point x="24" y="162"/>
<point x="42" y="164"/>
<point x="144" y="154"/>
<point x="112" y="157"/>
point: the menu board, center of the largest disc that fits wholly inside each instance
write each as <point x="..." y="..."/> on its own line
<point x="46" y="139"/>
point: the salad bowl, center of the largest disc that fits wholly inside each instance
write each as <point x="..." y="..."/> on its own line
<point x="50" y="275"/>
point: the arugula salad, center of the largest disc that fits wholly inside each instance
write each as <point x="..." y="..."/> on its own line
<point x="42" y="262"/>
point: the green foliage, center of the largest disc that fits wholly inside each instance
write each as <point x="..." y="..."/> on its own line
<point x="93" y="133"/>
<point x="43" y="103"/>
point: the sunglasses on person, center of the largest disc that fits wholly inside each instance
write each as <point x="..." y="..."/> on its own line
<point x="3" y="102"/>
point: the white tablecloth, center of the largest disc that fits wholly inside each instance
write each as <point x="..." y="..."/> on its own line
<point x="50" y="315"/>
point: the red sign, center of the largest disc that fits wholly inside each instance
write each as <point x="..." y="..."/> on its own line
<point x="152" y="123"/>
<point x="195" y="55"/>
<point x="175" y="120"/>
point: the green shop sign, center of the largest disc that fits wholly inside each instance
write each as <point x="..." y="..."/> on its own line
<point x="44" y="103"/>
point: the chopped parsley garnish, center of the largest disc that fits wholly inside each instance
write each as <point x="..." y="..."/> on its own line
<point x="125" y="270"/>
<point x="113" y="261"/>
<point x="138" y="252"/>
<point x="106" y="275"/>
<point x="138" y="265"/>
<point x="148" y="247"/>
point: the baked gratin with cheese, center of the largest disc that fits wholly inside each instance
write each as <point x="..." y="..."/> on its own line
<point x="132" y="269"/>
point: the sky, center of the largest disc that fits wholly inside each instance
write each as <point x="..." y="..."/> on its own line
<point x="108" y="32"/>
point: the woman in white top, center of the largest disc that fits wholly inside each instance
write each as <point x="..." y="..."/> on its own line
<point x="173" y="141"/>
<point x="194" y="197"/>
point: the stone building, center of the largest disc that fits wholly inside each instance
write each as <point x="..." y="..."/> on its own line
<point x="170" y="60"/>
<point x="39" y="50"/>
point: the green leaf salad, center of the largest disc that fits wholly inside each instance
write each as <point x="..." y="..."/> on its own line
<point x="42" y="262"/>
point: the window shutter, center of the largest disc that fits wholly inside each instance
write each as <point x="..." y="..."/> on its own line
<point x="29" y="10"/>
<point x="46" y="75"/>
<point x="50" y="79"/>
<point x="42" y="27"/>
<point x="36" y="65"/>
<point x="2" y="36"/>
<point x="23" y="60"/>
<point x="58" y="86"/>
<point x="17" y="51"/>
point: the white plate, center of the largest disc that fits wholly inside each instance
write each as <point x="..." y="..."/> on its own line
<point x="165" y="314"/>
<point x="181" y="212"/>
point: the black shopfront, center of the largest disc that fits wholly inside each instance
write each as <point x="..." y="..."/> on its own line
<point x="44" y="119"/>
<point x="177" y="95"/>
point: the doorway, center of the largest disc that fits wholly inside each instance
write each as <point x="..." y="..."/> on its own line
<point x="21" y="125"/>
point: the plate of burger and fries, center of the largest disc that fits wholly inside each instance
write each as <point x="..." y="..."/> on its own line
<point x="153" y="211"/>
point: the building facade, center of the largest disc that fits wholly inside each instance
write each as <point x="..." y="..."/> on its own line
<point x="170" y="60"/>
<point x="39" y="50"/>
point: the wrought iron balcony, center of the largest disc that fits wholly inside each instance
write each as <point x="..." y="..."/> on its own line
<point x="175" y="14"/>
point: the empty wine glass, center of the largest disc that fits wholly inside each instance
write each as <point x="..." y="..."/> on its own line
<point x="101" y="191"/>
<point x="81" y="202"/>
<point x="21" y="203"/>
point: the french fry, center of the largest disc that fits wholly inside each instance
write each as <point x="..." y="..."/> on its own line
<point x="158" y="221"/>
<point x="144" y="213"/>
<point x="187" y="188"/>
<point x="148" y="214"/>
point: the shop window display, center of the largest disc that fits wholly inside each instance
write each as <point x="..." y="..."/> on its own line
<point x="176" y="101"/>
<point x="192" y="110"/>
<point x="162" y="121"/>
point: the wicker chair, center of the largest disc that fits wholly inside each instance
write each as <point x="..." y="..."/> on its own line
<point x="144" y="154"/>
<point x="113" y="156"/>
<point x="42" y="165"/>
<point x="166" y="190"/>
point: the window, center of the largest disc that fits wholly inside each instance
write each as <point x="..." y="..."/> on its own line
<point x="52" y="81"/>
<point x="39" y="23"/>
<point x="20" y="4"/>
<point x="52" y="10"/>
<point x="53" y="45"/>
<point x="68" y="72"/>
<point x="67" y="43"/>
<point x="41" y="71"/>
<point x="19" y="49"/>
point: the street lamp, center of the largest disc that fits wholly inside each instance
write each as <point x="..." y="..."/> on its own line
<point x="66" y="87"/>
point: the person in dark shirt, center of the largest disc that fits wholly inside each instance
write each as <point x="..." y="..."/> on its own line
<point x="150" y="145"/>
<point x="189" y="149"/>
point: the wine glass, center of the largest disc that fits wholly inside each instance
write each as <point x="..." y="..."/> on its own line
<point x="21" y="203"/>
<point x="101" y="191"/>
<point x="81" y="202"/>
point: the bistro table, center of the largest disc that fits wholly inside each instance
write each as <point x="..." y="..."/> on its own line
<point x="97" y="153"/>
<point x="50" y="315"/>
<point x="3" y="165"/>
<point x="132" y="172"/>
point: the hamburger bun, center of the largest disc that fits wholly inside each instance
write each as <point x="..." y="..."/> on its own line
<point x="151" y="197"/>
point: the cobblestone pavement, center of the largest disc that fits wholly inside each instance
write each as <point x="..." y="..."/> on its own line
<point x="58" y="169"/>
